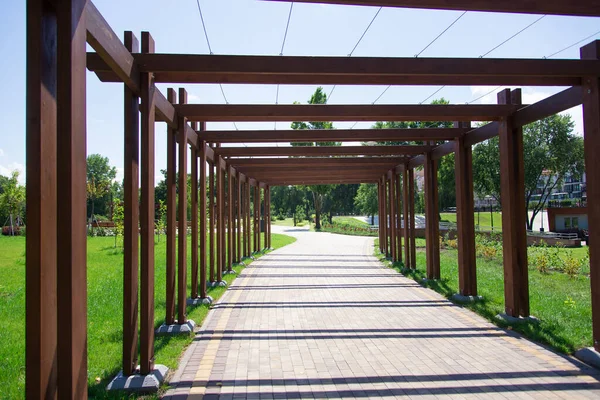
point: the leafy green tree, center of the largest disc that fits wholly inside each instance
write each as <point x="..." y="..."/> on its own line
<point x="367" y="200"/>
<point x="550" y="152"/>
<point x="319" y="192"/>
<point x="118" y="219"/>
<point x="446" y="176"/>
<point x="12" y="199"/>
<point x="100" y="176"/>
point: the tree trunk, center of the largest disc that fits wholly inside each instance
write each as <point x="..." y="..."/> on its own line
<point x="317" y="211"/>
<point x="372" y="219"/>
<point x="12" y="229"/>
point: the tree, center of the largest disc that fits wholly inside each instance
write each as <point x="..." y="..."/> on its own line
<point x="366" y="200"/>
<point x="550" y="152"/>
<point x="446" y="175"/>
<point x="100" y="176"/>
<point x="119" y="220"/>
<point x="319" y="192"/>
<point x="12" y="199"/>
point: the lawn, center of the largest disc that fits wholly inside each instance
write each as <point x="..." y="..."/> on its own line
<point x="562" y="304"/>
<point x="105" y="309"/>
<point x="289" y="222"/>
<point x="483" y="219"/>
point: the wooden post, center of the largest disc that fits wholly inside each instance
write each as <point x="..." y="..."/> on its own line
<point x="514" y="218"/>
<point x="432" y="224"/>
<point x="254" y="218"/>
<point x="171" y="216"/>
<point x="147" y="216"/>
<point x="41" y="243"/>
<point x="239" y="219"/>
<point x="182" y="211"/>
<point x="248" y="227"/>
<point x="465" y="211"/>
<point x="203" y="225"/>
<point x="392" y="201"/>
<point x="398" y="218"/>
<point x="230" y="245"/>
<point x="386" y="229"/>
<point x="194" y="198"/>
<point x="268" y="225"/>
<point x="258" y="216"/>
<point x="406" y="206"/>
<point x="211" y="222"/>
<point x="131" y="218"/>
<point x="411" y="216"/>
<point x="71" y="200"/>
<point x="222" y="213"/>
<point x="591" y="137"/>
<point x="219" y="216"/>
<point x="380" y="215"/>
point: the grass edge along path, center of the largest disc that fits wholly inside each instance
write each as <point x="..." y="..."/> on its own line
<point x="562" y="304"/>
<point x="105" y="314"/>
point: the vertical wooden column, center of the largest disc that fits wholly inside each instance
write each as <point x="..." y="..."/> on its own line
<point x="240" y="254"/>
<point x="398" y="217"/>
<point x="254" y="210"/>
<point x="392" y="197"/>
<point x="268" y="225"/>
<point x="234" y="220"/>
<point x="41" y="243"/>
<point x="182" y="216"/>
<point x="411" y="218"/>
<point x="432" y="223"/>
<point x="258" y="216"/>
<point x="211" y="221"/>
<point x="147" y="216"/>
<point x="203" y="224"/>
<point x="384" y="193"/>
<point x="465" y="215"/>
<point x="380" y="216"/>
<point x="194" y="200"/>
<point x="591" y="138"/>
<point x="406" y="206"/>
<point x="230" y="245"/>
<point x="71" y="200"/>
<point x="512" y="194"/>
<point x="219" y="217"/>
<point x="171" y="216"/>
<point x="131" y="218"/>
<point x="248" y="228"/>
<point x="222" y="213"/>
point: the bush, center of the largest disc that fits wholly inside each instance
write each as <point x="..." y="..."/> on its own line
<point x="13" y="231"/>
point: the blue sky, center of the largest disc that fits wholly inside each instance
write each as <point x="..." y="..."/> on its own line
<point x="257" y="27"/>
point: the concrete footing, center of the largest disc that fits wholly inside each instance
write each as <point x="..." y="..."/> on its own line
<point x="140" y="383"/>
<point x="232" y="272"/>
<point x="459" y="298"/>
<point x="199" y="300"/>
<point x="176" y="329"/>
<point x="589" y="355"/>
<point x="515" y="320"/>
<point x="222" y="283"/>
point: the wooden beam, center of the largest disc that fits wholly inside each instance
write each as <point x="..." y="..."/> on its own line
<point x="467" y="272"/>
<point x="71" y="200"/>
<point x="203" y="224"/>
<point x="320" y="151"/>
<point x="514" y="219"/>
<point x="286" y="182"/>
<point x="557" y="7"/>
<point x="554" y="104"/>
<point x="41" y="243"/>
<point x="182" y="214"/>
<point x="304" y="70"/>
<point x="432" y="224"/>
<point x="195" y="228"/>
<point x="211" y="223"/>
<point x="147" y="216"/>
<point x="356" y="168"/>
<point x="411" y="217"/>
<point x="171" y="217"/>
<point x="591" y="137"/>
<point x="330" y="135"/>
<point x="131" y="219"/>
<point x="398" y="216"/>
<point x="406" y="212"/>
<point x="244" y="163"/>
<point x="320" y="112"/>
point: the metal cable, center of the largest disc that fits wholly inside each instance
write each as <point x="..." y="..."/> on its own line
<point x="574" y="44"/>
<point x="204" y="26"/>
<point x="440" y="35"/>
<point x="515" y="35"/>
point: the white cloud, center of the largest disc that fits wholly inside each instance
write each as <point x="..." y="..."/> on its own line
<point x="7" y="170"/>
<point x="1" y="152"/>
<point x="120" y="174"/>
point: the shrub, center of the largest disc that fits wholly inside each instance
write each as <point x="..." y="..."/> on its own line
<point x="572" y="265"/>
<point x="16" y="230"/>
<point x="540" y="261"/>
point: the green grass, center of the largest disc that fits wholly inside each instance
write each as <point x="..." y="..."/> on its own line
<point x="105" y="305"/>
<point x="562" y="304"/>
<point x="289" y="222"/>
<point x="482" y="218"/>
<point x="350" y="221"/>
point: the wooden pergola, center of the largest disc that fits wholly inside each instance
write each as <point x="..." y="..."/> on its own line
<point x="57" y="33"/>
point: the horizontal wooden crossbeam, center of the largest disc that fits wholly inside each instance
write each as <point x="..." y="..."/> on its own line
<point x="307" y="151"/>
<point x="556" y="7"/>
<point x="300" y="182"/>
<point x="195" y="68"/>
<point x="321" y="161"/>
<point x="306" y="112"/>
<point x="327" y="135"/>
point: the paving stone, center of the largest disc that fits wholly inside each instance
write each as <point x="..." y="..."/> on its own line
<point x="321" y="318"/>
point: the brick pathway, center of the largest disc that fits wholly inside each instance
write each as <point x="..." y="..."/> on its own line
<point x="321" y="318"/>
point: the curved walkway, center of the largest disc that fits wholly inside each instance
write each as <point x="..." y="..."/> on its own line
<point x="322" y="318"/>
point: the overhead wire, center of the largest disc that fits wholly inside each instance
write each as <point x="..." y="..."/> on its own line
<point x="545" y="57"/>
<point x="211" y="52"/>
<point x="357" y="43"/>
<point x="287" y="25"/>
